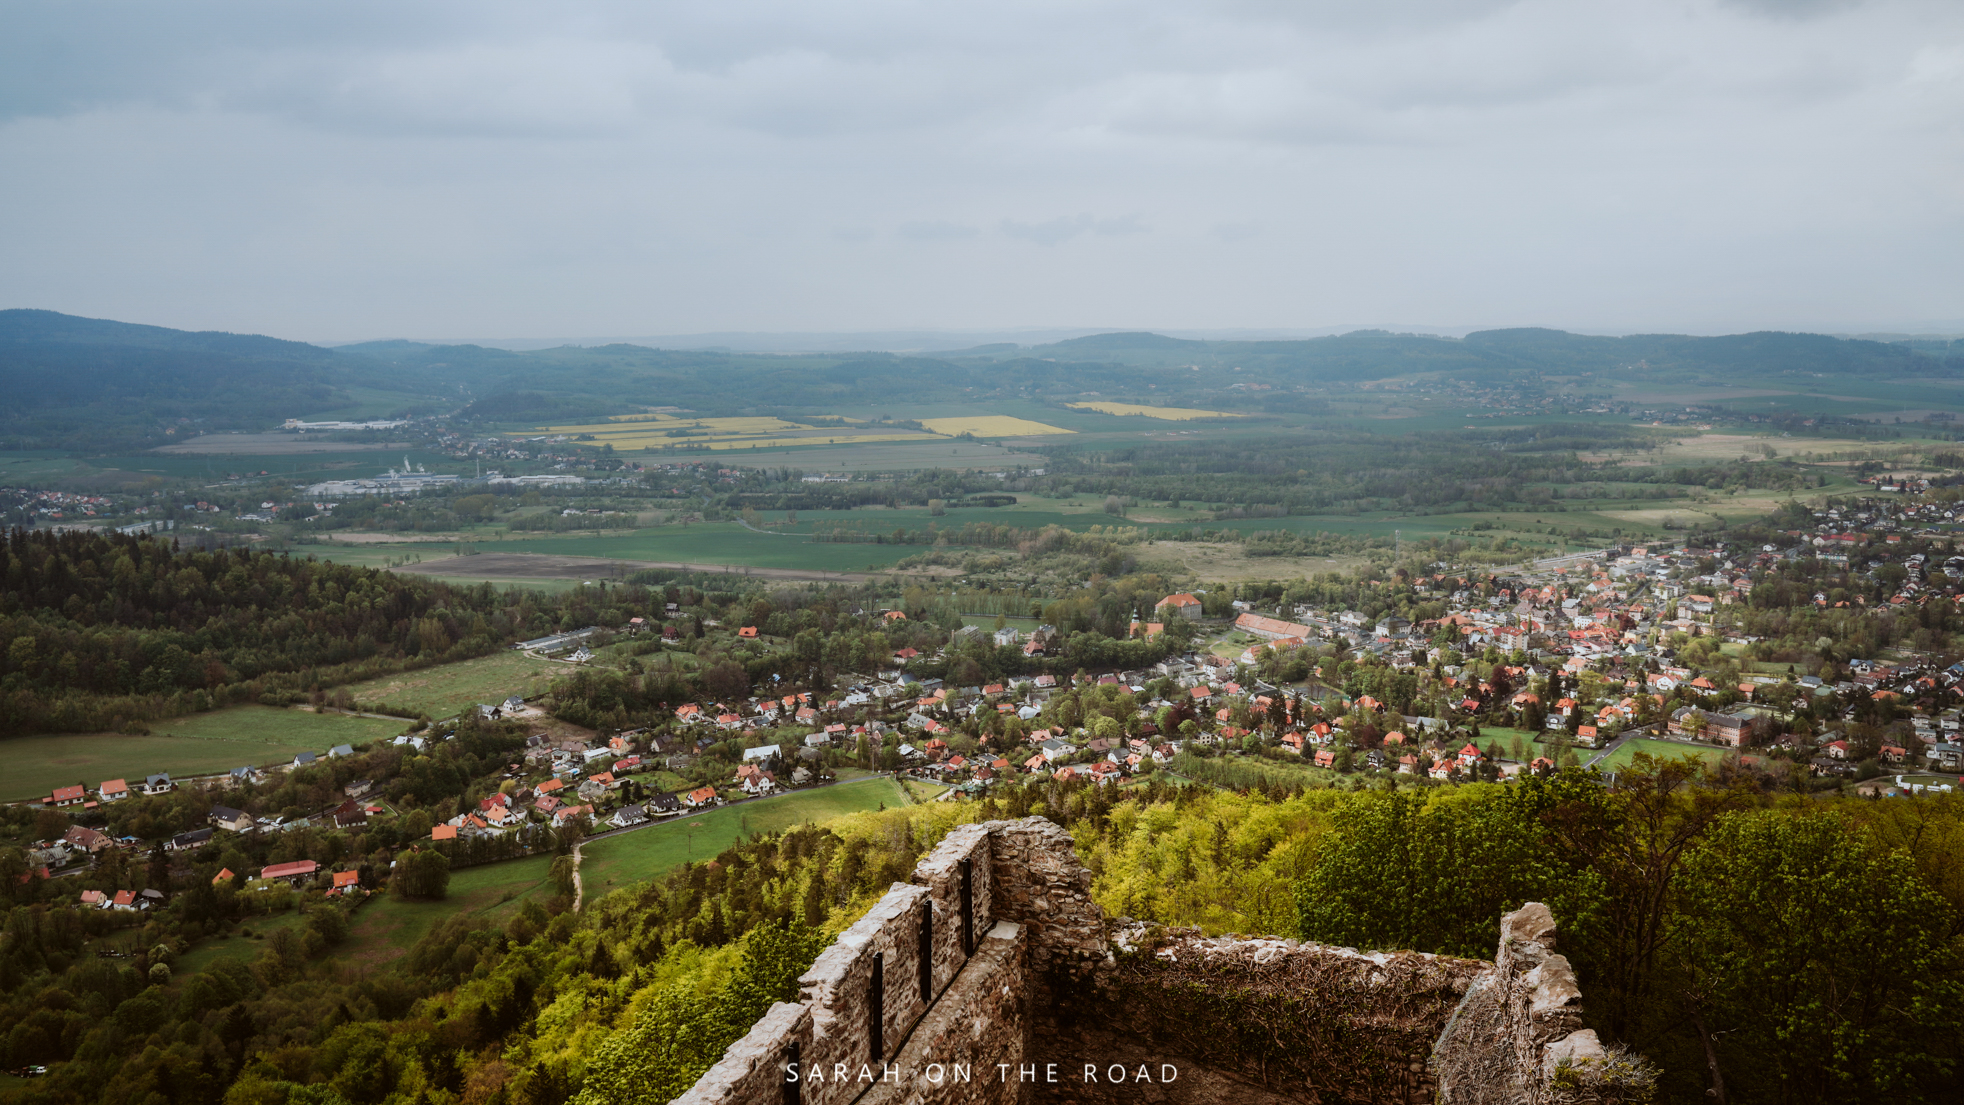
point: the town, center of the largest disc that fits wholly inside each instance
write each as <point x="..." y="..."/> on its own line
<point x="1584" y="660"/>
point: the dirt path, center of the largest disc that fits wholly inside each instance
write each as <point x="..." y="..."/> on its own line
<point x="496" y="565"/>
<point x="579" y="887"/>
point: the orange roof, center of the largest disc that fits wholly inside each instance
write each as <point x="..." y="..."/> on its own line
<point x="748" y="631"/>
<point x="343" y="879"/>
<point x="224" y="873"/>
<point x="444" y="832"/>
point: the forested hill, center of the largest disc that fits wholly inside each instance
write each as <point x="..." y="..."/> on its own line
<point x="95" y="384"/>
<point x="82" y="382"/>
<point x="100" y="632"/>
<point x="1376" y="354"/>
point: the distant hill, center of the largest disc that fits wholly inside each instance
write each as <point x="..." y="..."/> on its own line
<point x="98" y="384"/>
<point x="1378" y="354"/>
<point x="93" y="383"/>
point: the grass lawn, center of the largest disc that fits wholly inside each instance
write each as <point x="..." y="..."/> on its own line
<point x="386" y="927"/>
<point x="1536" y="747"/>
<point x="616" y="861"/>
<point x="923" y="791"/>
<point x="212" y="951"/>
<point x="1661" y="749"/>
<point x="447" y="689"/>
<point x="192" y="745"/>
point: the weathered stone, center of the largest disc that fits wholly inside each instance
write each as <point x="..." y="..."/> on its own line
<point x="1572" y="1050"/>
<point x="1533" y="923"/>
<point x="1552" y="987"/>
<point x="1038" y="961"/>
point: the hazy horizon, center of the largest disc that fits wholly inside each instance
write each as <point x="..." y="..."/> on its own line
<point x="883" y="167"/>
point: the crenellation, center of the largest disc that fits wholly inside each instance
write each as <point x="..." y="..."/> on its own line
<point x="956" y="1053"/>
<point x="840" y="987"/>
<point x="964" y="856"/>
<point x="1044" y="982"/>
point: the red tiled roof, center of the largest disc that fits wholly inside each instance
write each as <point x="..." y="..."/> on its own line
<point x="288" y="870"/>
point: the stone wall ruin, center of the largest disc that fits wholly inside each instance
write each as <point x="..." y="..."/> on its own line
<point x="992" y="978"/>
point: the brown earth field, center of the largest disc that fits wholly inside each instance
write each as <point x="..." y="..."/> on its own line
<point x="272" y="445"/>
<point x="493" y="565"/>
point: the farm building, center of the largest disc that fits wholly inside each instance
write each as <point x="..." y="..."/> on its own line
<point x="296" y="871"/>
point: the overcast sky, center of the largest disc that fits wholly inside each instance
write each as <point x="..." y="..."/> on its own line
<point x="361" y="170"/>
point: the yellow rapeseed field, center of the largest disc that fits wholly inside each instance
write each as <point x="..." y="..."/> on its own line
<point x="989" y="425"/>
<point x="659" y="432"/>
<point x="1170" y="414"/>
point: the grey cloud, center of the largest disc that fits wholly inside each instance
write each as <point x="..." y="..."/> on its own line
<point x="1065" y="227"/>
<point x="1235" y="232"/>
<point x="935" y="231"/>
<point x="646" y="167"/>
<point x="1794" y="9"/>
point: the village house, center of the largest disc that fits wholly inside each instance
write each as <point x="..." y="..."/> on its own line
<point x="1183" y="605"/>
<point x="86" y="839"/>
<point x="225" y="817"/>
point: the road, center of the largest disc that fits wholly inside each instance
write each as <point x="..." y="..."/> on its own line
<point x="1610" y="748"/>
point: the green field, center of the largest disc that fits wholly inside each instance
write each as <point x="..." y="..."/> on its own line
<point x="615" y="861"/>
<point x="1666" y="750"/>
<point x="386" y="927"/>
<point x="714" y="543"/>
<point x="197" y="744"/>
<point x="448" y="689"/>
<point x="309" y="467"/>
<point x="235" y="948"/>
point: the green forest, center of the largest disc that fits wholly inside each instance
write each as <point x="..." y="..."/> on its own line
<point x="1811" y="945"/>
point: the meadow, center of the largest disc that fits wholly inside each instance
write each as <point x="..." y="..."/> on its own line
<point x="717" y="543"/>
<point x="196" y="744"/>
<point x="614" y="861"/>
<point x="235" y="948"/>
<point x="386" y="927"/>
<point x="449" y="689"/>
<point x="1169" y="414"/>
<point x="1661" y="749"/>
<point x="887" y="455"/>
<point x="308" y="467"/>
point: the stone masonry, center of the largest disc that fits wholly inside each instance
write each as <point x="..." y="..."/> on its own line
<point x="992" y="978"/>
